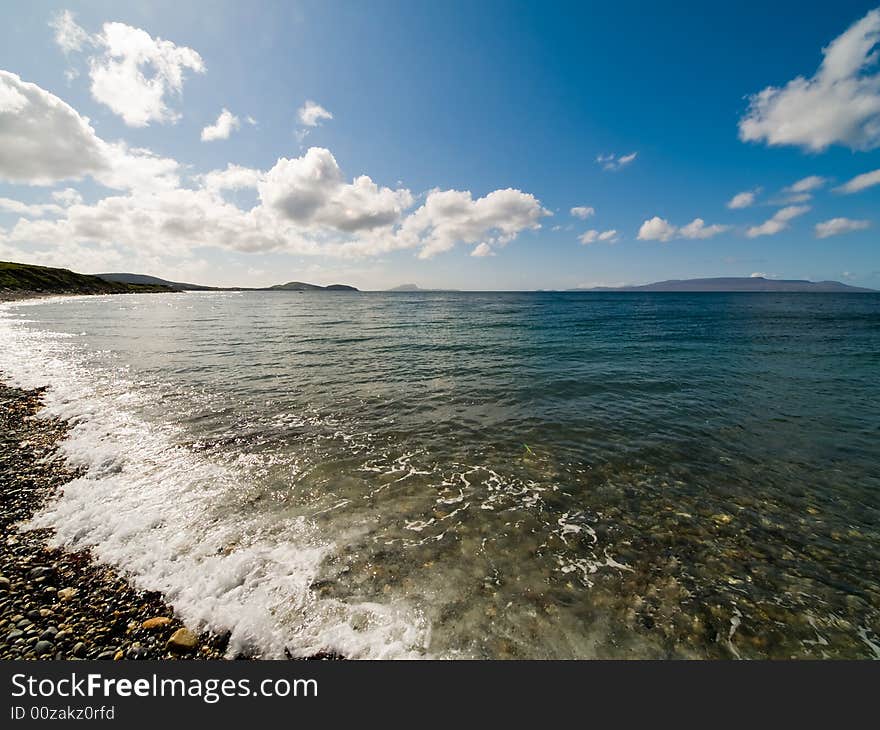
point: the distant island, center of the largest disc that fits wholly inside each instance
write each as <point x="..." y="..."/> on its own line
<point x="733" y="284"/>
<point x="416" y="287"/>
<point x="18" y="281"/>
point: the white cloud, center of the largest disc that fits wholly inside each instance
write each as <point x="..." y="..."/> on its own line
<point x="659" y="229"/>
<point x="222" y="128"/>
<point x="593" y="236"/>
<point x="806" y="185"/>
<point x="44" y="140"/>
<point x="310" y="191"/>
<point x="451" y="216"/>
<point x="779" y="222"/>
<point x="615" y="162"/>
<point x="697" y="228"/>
<point x="836" y="226"/>
<point x="758" y="275"/>
<point x="840" y="104"/>
<point x="860" y="182"/>
<point x="119" y="73"/>
<point x="69" y="36"/>
<point x="742" y="200"/>
<point x="484" y="249"/>
<point x="68" y="196"/>
<point x="234" y="177"/>
<point x="33" y="210"/>
<point x="311" y="114"/>
<point x="583" y="211"/>
<point x="303" y="205"/>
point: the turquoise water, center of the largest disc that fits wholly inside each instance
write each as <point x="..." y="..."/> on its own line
<point x="523" y="475"/>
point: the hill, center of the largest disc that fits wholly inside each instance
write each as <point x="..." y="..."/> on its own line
<point x="302" y="286"/>
<point x="143" y="279"/>
<point x="735" y="284"/>
<point x="17" y="280"/>
<point x="182" y="286"/>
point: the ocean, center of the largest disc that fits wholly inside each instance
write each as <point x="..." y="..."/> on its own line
<point x="476" y="475"/>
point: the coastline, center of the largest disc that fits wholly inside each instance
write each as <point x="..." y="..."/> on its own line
<point x="56" y="604"/>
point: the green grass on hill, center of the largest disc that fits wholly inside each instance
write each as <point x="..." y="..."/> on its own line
<point x="46" y="280"/>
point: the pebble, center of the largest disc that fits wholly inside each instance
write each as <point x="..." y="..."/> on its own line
<point x="43" y="647"/>
<point x="65" y="594"/>
<point x="183" y="640"/>
<point x="156" y="622"/>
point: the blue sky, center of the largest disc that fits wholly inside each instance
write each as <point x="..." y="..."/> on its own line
<point x="479" y="125"/>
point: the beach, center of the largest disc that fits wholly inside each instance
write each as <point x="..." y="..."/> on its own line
<point x="56" y="604"/>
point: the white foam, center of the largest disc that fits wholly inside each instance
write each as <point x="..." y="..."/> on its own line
<point x="149" y="506"/>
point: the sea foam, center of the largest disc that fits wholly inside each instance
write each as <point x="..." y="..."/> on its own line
<point x="148" y="505"/>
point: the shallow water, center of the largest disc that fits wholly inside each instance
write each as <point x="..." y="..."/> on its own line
<point x="477" y="475"/>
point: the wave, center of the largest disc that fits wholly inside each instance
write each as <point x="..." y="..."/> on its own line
<point x="148" y="505"/>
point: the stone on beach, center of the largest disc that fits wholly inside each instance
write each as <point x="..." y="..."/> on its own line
<point x="157" y="622"/>
<point x="183" y="640"/>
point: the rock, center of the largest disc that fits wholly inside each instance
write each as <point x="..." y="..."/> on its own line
<point x="79" y="649"/>
<point x="118" y="655"/>
<point x="157" y="622"/>
<point x="65" y="594"/>
<point x="13" y="635"/>
<point x="49" y="634"/>
<point x="106" y="655"/>
<point x="43" y="647"/>
<point x="136" y="651"/>
<point x="183" y="640"/>
<point x="5" y="583"/>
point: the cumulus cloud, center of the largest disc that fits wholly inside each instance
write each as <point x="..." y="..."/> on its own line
<point x="839" y="104"/>
<point x="594" y="236"/>
<point x="779" y="221"/>
<point x="697" y="228"/>
<point x="657" y="229"/>
<point x="448" y="217"/>
<point x="67" y="196"/>
<point x="303" y="205"/>
<point x="836" y="226"/>
<point x="131" y="73"/>
<point x="583" y="211"/>
<point x="615" y="162"/>
<point x="33" y="210"/>
<point x="311" y="114"/>
<point x="660" y="229"/>
<point x="742" y="200"/>
<point x="226" y="123"/>
<point x="860" y="182"/>
<point x="234" y="177"/>
<point x="310" y="191"/>
<point x="43" y="140"/>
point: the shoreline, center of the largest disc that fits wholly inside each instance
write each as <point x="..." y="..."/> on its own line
<point x="56" y="604"/>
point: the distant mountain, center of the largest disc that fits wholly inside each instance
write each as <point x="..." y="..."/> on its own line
<point x="302" y="286"/>
<point x="181" y="286"/>
<point x="155" y="280"/>
<point x="734" y="284"/>
<point x="26" y="279"/>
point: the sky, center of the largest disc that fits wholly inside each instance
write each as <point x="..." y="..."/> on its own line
<point x="491" y="145"/>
